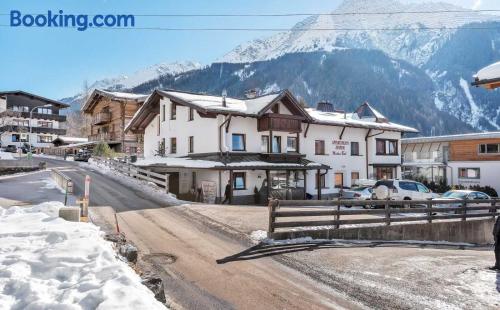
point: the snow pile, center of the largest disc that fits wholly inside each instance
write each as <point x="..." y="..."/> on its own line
<point x="5" y="155"/>
<point x="49" y="263"/>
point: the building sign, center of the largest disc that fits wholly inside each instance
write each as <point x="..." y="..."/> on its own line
<point x="339" y="147"/>
<point x="209" y="191"/>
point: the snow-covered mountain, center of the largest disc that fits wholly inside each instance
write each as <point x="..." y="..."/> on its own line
<point x="384" y="31"/>
<point x="144" y="75"/>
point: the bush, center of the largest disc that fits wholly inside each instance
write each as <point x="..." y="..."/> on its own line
<point x="490" y="191"/>
<point x="103" y="149"/>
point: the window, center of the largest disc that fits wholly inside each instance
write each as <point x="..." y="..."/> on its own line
<point x="163" y="112"/>
<point x="191" y="144"/>
<point x="158" y="127"/>
<point x="23" y="137"/>
<point x="238" y="142"/>
<point x="45" y="139"/>
<point x="239" y="181"/>
<point x="387" y="147"/>
<point x="44" y="110"/>
<point x="193" y="180"/>
<point x="161" y="147"/>
<point x="264" y="144"/>
<point x="132" y="150"/>
<point x="276" y="144"/>
<point x="382" y="173"/>
<point x="291" y="144"/>
<point x="173" y="145"/>
<point x="491" y="148"/>
<point x="319" y="147"/>
<point x="468" y="173"/>
<point x="21" y="122"/>
<point x="173" y="111"/>
<point x="44" y="124"/>
<point x="422" y="188"/>
<point x="354" y="178"/>
<point x="339" y="180"/>
<point x="320" y="180"/>
<point x="354" y="148"/>
<point x="276" y="108"/>
<point x="408" y="186"/>
<point x="191" y="114"/>
<point x="18" y="108"/>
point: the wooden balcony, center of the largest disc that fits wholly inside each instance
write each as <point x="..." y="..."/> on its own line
<point x="101" y="118"/>
<point x="280" y="122"/>
<point x="105" y="136"/>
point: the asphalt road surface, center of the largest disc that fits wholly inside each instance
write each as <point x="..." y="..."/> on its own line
<point x="185" y="251"/>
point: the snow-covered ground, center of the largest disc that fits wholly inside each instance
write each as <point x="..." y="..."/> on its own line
<point x="149" y="188"/>
<point x="6" y="155"/>
<point x="49" y="263"/>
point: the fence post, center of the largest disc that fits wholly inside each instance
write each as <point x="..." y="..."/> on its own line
<point x="387" y="213"/>
<point x="429" y="212"/>
<point x="166" y="183"/>
<point x="494" y="209"/>
<point x="272" y="217"/>
<point x="464" y="210"/>
<point x="337" y="217"/>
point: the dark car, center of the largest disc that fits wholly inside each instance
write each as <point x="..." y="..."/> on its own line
<point x="82" y="156"/>
<point x="11" y="148"/>
<point x="26" y="148"/>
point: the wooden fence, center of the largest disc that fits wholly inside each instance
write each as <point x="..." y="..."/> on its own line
<point x="392" y="211"/>
<point x="135" y="172"/>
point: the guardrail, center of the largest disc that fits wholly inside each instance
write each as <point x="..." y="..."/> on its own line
<point x="136" y="172"/>
<point x="62" y="181"/>
<point x="392" y="211"/>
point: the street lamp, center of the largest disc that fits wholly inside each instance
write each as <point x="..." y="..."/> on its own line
<point x="31" y="119"/>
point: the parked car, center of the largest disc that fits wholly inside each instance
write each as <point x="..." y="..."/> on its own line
<point x="11" y="148"/>
<point x="401" y="190"/>
<point x="358" y="193"/>
<point x="462" y="195"/>
<point x="26" y="148"/>
<point x="82" y="155"/>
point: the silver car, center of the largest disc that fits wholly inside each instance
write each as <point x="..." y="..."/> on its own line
<point x="358" y="193"/>
<point x="462" y="195"/>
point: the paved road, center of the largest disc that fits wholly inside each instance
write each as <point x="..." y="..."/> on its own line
<point x="184" y="251"/>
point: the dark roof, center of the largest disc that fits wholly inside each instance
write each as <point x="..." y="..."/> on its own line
<point x="33" y="96"/>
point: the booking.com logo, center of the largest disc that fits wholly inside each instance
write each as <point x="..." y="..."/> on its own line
<point x="81" y="22"/>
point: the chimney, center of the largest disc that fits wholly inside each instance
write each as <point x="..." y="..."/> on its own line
<point x="224" y="95"/>
<point x="251" y="93"/>
<point x="325" y="106"/>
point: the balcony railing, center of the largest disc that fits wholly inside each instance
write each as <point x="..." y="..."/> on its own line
<point x="52" y="117"/>
<point x="26" y="129"/>
<point x="105" y="136"/>
<point x="425" y="157"/>
<point x="101" y="118"/>
<point x="280" y="122"/>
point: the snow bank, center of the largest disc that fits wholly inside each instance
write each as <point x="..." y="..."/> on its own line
<point x="49" y="263"/>
<point x="5" y="155"/>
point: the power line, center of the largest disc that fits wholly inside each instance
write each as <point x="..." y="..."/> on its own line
<point x="299" y="14"/>
<point x="277" y="29"/>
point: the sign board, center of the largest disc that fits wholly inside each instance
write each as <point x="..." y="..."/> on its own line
<point x="340" y="147"/>
<point x="209" y="191"/>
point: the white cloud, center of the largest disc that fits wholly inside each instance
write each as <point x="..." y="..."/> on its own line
<point x="477" y="4"/>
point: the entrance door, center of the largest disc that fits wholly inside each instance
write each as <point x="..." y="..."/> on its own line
<point x="173" y="182"/>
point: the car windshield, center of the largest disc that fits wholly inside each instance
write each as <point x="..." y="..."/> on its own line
<point x="452" y="194"/>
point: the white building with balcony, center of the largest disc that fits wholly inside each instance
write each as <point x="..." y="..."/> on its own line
<point x="47" y="121"/>
<point x="205" y="141"/>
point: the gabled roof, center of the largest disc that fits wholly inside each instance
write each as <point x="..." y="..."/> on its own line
<point x="488" y="77"/>
<point x="209" y="104"/>
<point x="97" y="94"/>
<point x="33" y="96"/>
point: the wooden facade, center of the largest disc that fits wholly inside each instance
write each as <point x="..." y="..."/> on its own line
<point x="109" y="116"/>
<point x="469" y="150"/>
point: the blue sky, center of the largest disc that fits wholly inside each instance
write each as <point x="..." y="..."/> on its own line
<point x="54" y="62"/>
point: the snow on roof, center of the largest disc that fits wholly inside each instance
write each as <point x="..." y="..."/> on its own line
<point x="214" y="103"/>
<point x="489" y="72"/>
<point x="82" y="144"/>
<point x="71" y="139"/>
<point x="459" y="137"/>
<point x="207" y="164"/>
<point x="122" y="95"/>
<point x="349" y="119"/>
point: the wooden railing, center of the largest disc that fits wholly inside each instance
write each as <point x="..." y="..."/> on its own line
<point x="101" y="118"/>
<point x="105" y="136"/>
<point x="393" y="211"/>
<point x="134" y="171"/>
